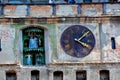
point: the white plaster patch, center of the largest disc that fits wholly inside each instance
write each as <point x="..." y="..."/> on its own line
<point x="118" y="40"/>
<point x="7" y="35"/>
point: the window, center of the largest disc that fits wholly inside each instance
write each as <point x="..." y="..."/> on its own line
<point x="113" y="0"/>
<point x="35" y="75"/>
<point x="16" y="1"/>
<point x="33" y="46"/>
<point x="87" y="1"/>
<point x="11" y="75"/>
<point x="104" y="75"/>
<point x="113" y="43"/>
<point x="81" y="75"/>
<point x="39" y="1"/>
<point x="58" y="75"/>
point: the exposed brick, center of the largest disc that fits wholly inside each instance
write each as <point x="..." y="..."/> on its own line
<point x="15" y="11"/>
<point x="41" y="11"/>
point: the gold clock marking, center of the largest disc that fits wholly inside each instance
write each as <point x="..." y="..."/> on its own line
<point x="88" y="35"/>
<point x="89" y="40"/>
<point x="71" y="31"/>
<point x="67" y="46"/>
<point x="66" y="41"/>
<point x="84" y="51"/>
<point x="71" y="52"/>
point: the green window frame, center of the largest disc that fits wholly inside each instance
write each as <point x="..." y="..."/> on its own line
<point x="33" y="46"/>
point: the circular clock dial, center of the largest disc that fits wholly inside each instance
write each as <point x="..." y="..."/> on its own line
<point x="77" y="41"/>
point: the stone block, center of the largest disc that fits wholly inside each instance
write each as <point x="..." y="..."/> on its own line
<point x="66" y="10"/>
<point x="91" y="9"/>
<point x="113" y="9"/>
<point x="15" y="11"/>
<point x="41" y="11"/>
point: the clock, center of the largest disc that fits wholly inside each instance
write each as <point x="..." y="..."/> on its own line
<point x="77" y="41"/>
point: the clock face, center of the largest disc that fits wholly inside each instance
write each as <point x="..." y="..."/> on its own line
<point x="77" y="41"/>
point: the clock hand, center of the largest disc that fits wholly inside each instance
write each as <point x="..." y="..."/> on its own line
<point x="84" y="44"/>
<point x="83" y="36"/>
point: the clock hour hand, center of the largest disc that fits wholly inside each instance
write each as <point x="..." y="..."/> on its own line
<point x="83" y="35"/>
<point x="84" y="44"/>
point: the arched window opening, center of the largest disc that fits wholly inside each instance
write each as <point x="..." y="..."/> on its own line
<point x="11" y="75"/>
<point x="81" y="75"/>
<point x="104" y="75"/>
<point x="33" y="46"/>
<point x="58" y="75"/>
<point x="35" y="75"/>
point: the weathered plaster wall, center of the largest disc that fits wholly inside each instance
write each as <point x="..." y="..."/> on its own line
<point x="7" y="36"/>
<point x="110" y="30"/>
<point x="102" y="52"/>
<point x="54" y="22"/>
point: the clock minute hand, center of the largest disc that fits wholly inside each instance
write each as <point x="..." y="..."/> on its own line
<point x="84" y="44"/>
<point x="83" y="36"/>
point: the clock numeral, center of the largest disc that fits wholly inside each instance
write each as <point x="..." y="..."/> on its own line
<point x="89" y="41"/>
<point x="84" y="51"/>
<point x="88" y="46"/>
<point x="83" y="30"/>
<point x="88" y="35"/>
<point x="71" y="52"/>
<point x="67" y="46"/>
<point x="66" y="41"/>
<point x="71" y="31"/>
